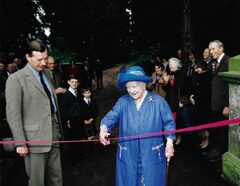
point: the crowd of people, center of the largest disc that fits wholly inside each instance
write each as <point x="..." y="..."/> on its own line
<point x="46" y="102"/>
<point x="194" y="95"/>
<point x="195" y="92"/>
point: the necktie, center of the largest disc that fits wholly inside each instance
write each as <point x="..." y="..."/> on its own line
<point x="75" y="92"/>
<point x="215" y="67"/>
<point x="189" y="73"/>
<point x="88" y="101"/>
<point x="47" y="91"/>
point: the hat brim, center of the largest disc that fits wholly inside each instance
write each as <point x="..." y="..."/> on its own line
<point x="124" y="78"/>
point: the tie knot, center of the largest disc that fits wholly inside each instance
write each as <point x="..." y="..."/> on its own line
<point x="75" y="92"/>
<point x="40" y="73"/>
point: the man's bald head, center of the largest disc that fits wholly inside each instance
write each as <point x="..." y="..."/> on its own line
<point x="51" y="63"/>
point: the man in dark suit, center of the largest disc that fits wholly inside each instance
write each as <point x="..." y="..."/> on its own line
<point x="33" y="116"/>
<point x="55" y="73"/>
<point x="56" y="76"/>
<point x="220" y="95"/>
<point x="87" y="74"/>
<point x="99" y="73"/>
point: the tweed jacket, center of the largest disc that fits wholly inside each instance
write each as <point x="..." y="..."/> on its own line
<point x="28" y="110"/>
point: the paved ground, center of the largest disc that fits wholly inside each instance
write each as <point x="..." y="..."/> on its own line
<point x="188" y="168"/>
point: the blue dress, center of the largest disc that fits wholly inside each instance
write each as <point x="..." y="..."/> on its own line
<point x="147" y="154"/>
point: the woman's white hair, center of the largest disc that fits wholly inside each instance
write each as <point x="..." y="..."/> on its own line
<point x="175" y="63"/>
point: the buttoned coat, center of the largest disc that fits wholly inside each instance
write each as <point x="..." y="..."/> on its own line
<point x="153" y="116"/>
<point x="28" y="110"/>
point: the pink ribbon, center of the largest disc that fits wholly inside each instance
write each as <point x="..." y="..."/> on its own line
<point x="235" y="121"/>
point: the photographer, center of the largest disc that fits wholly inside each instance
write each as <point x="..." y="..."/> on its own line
<point x="156" y="85"/>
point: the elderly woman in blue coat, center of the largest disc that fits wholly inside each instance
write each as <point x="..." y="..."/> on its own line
<point x="141" y="155"/>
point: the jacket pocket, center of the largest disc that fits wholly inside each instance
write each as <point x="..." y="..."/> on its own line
<point x="158" y="151"/>
<point x="121" y="152"/>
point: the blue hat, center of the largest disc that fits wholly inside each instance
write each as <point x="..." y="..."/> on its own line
<point x="134" y="73"/>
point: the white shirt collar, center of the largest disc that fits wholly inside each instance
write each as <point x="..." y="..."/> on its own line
<point x="86" y="100"/>
<point x="73" y="91"/>
<point x="220" y="58"/>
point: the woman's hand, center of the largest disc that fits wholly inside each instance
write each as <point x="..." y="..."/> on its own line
<point x="103" y="136"/>
<point x="169" y="150"/>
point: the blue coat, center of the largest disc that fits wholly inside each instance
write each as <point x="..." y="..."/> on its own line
<point x="153" y="116"/>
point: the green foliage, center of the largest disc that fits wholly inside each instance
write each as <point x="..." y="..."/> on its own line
<point x="139" y="59"/>
<point x="144" y="59"/>
<point x="62" y="56"/>
<point x="60" y="51"/>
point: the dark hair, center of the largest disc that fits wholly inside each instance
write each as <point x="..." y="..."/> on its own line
<point x="185" y="100"/>
<point x="201" y="64"/>
<point x="190" y="52"/>
<point x="86" y="89"/>
<point x="159" y="65"/>
<point x="36" y="45"/>
<point x="73" y="76"/>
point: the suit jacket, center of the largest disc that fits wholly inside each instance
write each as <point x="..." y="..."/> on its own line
<point x="56" y="77"/>
<point x="70" y="110"/>
<point x="70" y="107"/>
<point x="87" y="74"/>
<point x="89" y="111"/>
<point x="220" y="94"/>
<point x="28" y="109"/>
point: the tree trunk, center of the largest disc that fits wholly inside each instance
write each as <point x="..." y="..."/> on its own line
<point x="187" y="35"/>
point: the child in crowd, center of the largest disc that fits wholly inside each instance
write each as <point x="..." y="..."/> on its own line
<point x="89" y="112"/>
<point x="72" y="118"/>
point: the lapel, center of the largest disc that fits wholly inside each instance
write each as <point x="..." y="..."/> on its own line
<point x="222" y="65"/>
<point x="47" y="74"/>
<point x="216" y="67"/>
<point x="31" y="78"/>
<point x="71" y="95"/>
